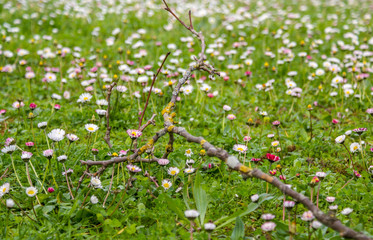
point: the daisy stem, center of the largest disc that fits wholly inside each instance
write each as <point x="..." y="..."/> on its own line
<point x="191" y="230"/>
<point x="51" y="171"/>
<point x="311" y="194"/>
<point x="37" y="177"/>
<point x="33" y="209"/>
<point x="223" y="122"/>
<point x="68" y="149"/>
<point x="89" y="142"/>
<point x="290" y="227"/>
<point x="345" y="185"/>
<point x="30" y="182"/>
<point x="292" y="105"/>
<point x="352" y="163"/>
<point x="121" y="198"/>
<point x="278" y="134"/>
<point x="308" y="230"/>
<point x="30" y="90"/>
<point x="33" y="134"/>
<point x="283" y="208"/>
<point x="318" y="193"/>
<point x="362" y="149"/>
<point x="131" y="144"/>
<point x="118" y="173"/>
<point x="95" y="138"/>
<point x="229" y="178"/>
<point x="45" y="173"/>
<point x="21" y="208"/>
<point x="85" y="198"/>
<point x="67" y="180"/>
<point x="45" y="133"/>
<point x="111" y="184"/>
<point x="311" y="125"/>
<point x="14" y="168"/>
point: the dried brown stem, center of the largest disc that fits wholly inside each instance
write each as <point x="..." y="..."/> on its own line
<point x="151" y="87"/>
<point x="4" y="174"/>
<point x="111" y="183"/>
<point x="142" y="128"/>
<point x="67" y="181"/>
<point x="153" y="179"/>
<point x="86" y="172"/>
<point x="108" y="128"/>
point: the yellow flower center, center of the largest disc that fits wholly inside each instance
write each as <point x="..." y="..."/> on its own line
<point x="355" y="147"/>
<point x="85" y="98"/>
<point x="173" y="172"/>
<point x="240" y="149"/>
<point x="133" y="133"/>
<point x="90" y="128"/>
<point x="31" y="192"/>
<point x="4" y="189"/>
<point x="166" y="185"/>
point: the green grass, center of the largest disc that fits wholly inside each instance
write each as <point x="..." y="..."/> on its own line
<point x="226" y="194"/>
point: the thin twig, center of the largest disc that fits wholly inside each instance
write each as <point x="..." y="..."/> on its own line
<point x="4" y="174"/>
<point x="151" y="87"/>
<point x="108" y="128"/>
<point x="111" y="183"/>
<point x="67" y="181"/>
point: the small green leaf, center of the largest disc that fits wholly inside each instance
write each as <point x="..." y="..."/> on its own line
<point x="239" y="230"/>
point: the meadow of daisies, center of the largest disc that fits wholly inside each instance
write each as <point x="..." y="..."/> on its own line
<point x="223" y="142"/>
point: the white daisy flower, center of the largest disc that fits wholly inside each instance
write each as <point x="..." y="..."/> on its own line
<point x="31" y="191"/>
<point x="91" y="127"/>
<point x="9" y="149"/>
<point x="355" y="147"/>
<point x="340" y="139"/>
<point x="57" y="135"/>
<point x="173" y="171"/>
<point x="85" y="97"/>
<point x="166" y="184"/>
<point x="94" y="199"/>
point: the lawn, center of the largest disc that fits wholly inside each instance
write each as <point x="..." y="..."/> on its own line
<point x="136" y="119"/>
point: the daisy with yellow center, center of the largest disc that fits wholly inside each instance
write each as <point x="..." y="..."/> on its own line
<point x="173" y="171"/>
<point x="91" y="127"/>
<point x="31" y="191"/>
<point x="188" y="152"/>
<point x="4" y="189"/>
<point x="189" y="170"/>
<point x="133" y="133"/>
<point x="85" y="97"/>
<point x="166" y="184"/>
<point x="240" y="148"/>
<point x="275" y="143"/>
